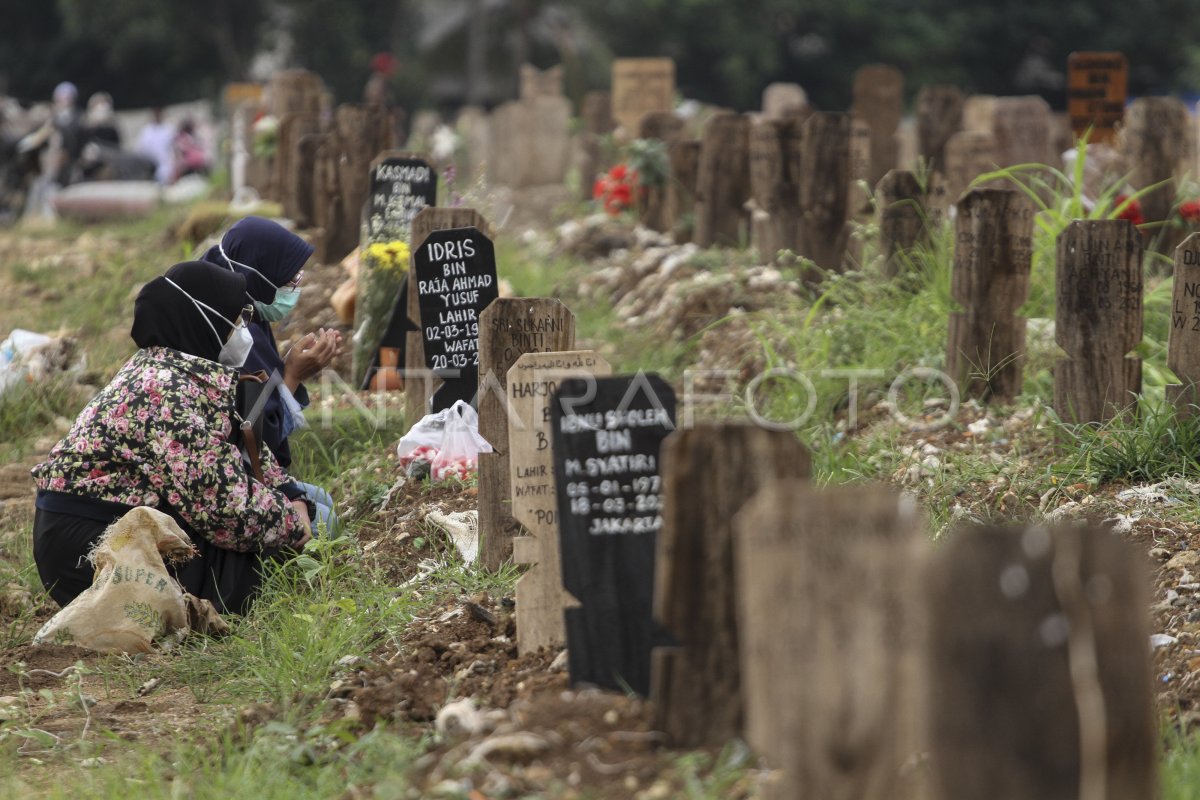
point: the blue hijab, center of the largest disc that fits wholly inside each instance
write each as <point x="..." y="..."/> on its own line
<point x="279" y="255"/>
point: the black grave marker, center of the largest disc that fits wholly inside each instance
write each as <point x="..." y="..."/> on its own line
<point x="456" y="280"/>
<point x="400" y="186"/>
<point x="607" y="435"/>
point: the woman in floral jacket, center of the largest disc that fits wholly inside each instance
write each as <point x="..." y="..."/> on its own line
<point x="164" y="433"/>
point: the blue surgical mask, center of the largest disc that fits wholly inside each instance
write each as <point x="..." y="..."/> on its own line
<point x="285" y="302"/>
<point x="269" y="282"/>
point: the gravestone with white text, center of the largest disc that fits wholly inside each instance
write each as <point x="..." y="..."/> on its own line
<point x="455" y="274"/>
<point x="607" y="438"/>
<point x="401" y="185"/>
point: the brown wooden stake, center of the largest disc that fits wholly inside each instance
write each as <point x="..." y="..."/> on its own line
<point x="879" y="101"/>
<point x="1040" y="680"/>
<point x="969" y="154"/>
<point x="826" y="204"/>
<point x="508" y="328"/>
<point x="1099" y="320"/>
<point x="708" y="473"/>
<point x="417" y="391"/>
<point x="1024" y="131"/>
<point x="665" y="127"/>
<point x="541" y="598"/>
<point x="775" y="212"/>
<point x="287" y="165"/>
<point x="1159" y="141"/>
<point x="327" y="205"/>
<point x="939" y="116"/>
<point x="723" y="181"/>
<point x="900" y="214"/>
<point x="596" y="115"/>
<point x="306" y="175"/>
<point x="681" y="188"/>
<point x="1183" y="347"/>
<point x="993" y="256"/>
<point x="358" y="133"/>
<point x="830" y="639"/>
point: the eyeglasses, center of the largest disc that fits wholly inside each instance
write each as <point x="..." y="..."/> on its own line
<point x="294" y="282"/>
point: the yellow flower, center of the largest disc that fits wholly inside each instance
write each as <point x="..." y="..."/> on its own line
<point x="389" y="255"/>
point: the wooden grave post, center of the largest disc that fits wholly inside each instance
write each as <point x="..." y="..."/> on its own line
<point x="1099" y="319"/>
<point x="830" y="639"/>
<point x="306" y="176"/>
<point x="400" y="185"/>
<point x="825" y="196"/>
<point x="979" y="112"/>
<point x="879" y="101"/>
<point x="1097" y="84"/>
<point x="606" y="437"/>
<point x="708" y="472"/>
<point x="541" y="599"/>
<point x="900" y="214"/>
<point x="993" y="258"/>
<point x="684" y="156"/>
<point x="1183" y="346"/>
<point x="939" y="116"/>
<point x="596" y="113"/>
<point x="326" y="202"/>
<point x="454" y="273"/>
<point x="1023" y="128"/>
<point x="969" y="154"/>
<point x="723" y="181"/>
<point x="666" y="127"/>
<point x="783" y="100"/>
<point x="417" y="392"/>
<point x="641" y="86"/>
<point x="509" y="328"/>
<point x="774" y="186"/>
<point x="288" y="165"/>
<point x="1159" y="148"/>
<point x="359" y="133"/>
<point x="1039" y="667"/>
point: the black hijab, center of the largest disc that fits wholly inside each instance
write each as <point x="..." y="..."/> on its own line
<point x="163" y="316"/>
<point x="266" y="246"/>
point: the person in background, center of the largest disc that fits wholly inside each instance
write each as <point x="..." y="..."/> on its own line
<point x="156" y="141"/>
<point x="165" y="433"/>
<point x="272" y="258"/>
<point x="190" y="156"/>
<point x="68" y="133"/>
<point x="100" y="121"/>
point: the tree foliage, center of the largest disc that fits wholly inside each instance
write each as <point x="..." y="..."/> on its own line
<point x="158" y="51"/>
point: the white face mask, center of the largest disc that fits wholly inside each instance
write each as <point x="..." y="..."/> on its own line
<point x="235" y="351"/>
<point x="236" y="348"/>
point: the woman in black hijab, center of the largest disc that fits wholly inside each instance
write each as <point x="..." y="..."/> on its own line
<point x="271" y="259"/>
<point x="165" y="433"/>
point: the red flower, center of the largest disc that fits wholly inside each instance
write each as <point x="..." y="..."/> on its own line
<point x="600" y="188"/>
<point x="1132" y="210"/>
<point x="617" y="173"/>
<point x="1190" y="210"/>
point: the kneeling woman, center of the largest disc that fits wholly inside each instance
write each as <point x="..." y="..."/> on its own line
<point x="164" y="433"/>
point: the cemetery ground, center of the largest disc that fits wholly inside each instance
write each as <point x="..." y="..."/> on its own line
<point x="329" y="687"/>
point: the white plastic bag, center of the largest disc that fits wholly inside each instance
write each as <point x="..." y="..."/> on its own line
<point x="448" y="441"/>
<point x="133" y="600"/>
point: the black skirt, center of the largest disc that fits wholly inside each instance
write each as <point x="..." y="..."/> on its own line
<point x="63" y="539"/>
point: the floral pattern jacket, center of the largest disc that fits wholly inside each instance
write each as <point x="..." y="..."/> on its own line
<point x="163" y="432"/>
